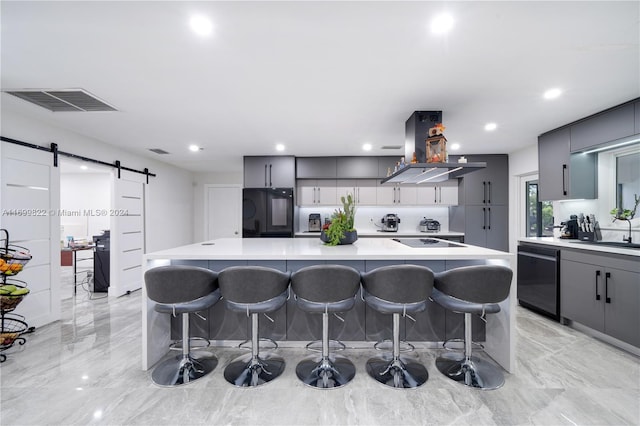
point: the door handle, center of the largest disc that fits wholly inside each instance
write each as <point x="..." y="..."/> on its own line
<point x="607" y="275"/>
<point x="354" y="190"/>
<point x="564" y="183"/>
<point x="399" y="195"/>
<point x="319" y="196"/>
<point x="314" y="195"/>
<point x="489" y="197"/>
<point x="435" y="195"/>
<point x="265" y="175"/>
<point x="597" y="276"/>
<point x="484" y="218"/>
<point x="484" y="192"/>
<point x="394" y="195"/>
<point x="489" y="217"/>
<point x="270" y="183"/>
<point x="440" y="194"/>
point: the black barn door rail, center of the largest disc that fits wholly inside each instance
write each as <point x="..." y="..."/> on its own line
<point x="56" y="152"/>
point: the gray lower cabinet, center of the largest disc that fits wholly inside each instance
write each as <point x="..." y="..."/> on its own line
<point x="270" y="172"/>
<point x="602" y="292"/>
<point x="562" y="175"/>
<point x="484" y="226"/>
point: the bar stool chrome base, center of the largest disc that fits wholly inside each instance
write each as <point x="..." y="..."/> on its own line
<point x="250" y="371"/>
<point x="329" y="372"/>
<point x="179" y="370"/>
<point x="471" y="371"/>
<point x="397" y="372"/>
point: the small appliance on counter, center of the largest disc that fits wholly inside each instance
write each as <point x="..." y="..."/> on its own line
<point x="570" y="228"/>
<point x="390" y="223"/>
<point x="315" y="222"/>
<point x="429" y="225"/>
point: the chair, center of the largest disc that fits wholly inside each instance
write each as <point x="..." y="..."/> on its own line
<point x="181" y="290"/>
<point x="472" y="290"/>
<point x="325" y="289"/>
<point x="253" y="290"/>
<point x="397" y="290"/>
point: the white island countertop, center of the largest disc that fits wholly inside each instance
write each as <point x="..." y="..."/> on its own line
<point x="311" y="248"/>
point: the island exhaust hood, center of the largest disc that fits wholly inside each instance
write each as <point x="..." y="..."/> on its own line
<point x="416" y="131"/>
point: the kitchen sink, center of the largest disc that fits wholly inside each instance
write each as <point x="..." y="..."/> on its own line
<point x="620" y="244"/>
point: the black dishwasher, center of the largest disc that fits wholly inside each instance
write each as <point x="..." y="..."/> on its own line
<point x="539" y="279"/>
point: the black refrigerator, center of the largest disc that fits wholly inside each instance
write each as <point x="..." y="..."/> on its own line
<point x="267" y="213"/>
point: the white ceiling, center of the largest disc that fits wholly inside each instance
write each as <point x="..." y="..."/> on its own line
<point x="320" y="77"/>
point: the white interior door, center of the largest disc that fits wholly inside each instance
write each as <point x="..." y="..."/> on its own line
<point x="30" y="200"/>
<point x="222" y="214"/>
<point x="127" y="233"/>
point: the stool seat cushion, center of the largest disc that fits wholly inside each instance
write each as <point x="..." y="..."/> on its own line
<point x="200" y="304"/>
<point x="462" y="306"/>
<point x="265" y="306"/>
<point x="176" y="284"/>
<point x="405" y="284"/>
<point x="252" y="284"/>
<point x="326" y="283"/>
<point x="320" y="307"/>
<point x="477" y="284"/>
<point x="386" y="307"/>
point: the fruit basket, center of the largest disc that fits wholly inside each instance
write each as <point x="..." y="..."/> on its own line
<point x="11" y="294"/>
<point x="13" y="259"/>
<point x="10" y="333"/>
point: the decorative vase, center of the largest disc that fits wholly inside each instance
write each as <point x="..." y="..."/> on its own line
<point x="350" y="237"/>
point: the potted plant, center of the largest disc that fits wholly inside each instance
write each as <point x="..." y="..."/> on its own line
<point x="341" y="229"/>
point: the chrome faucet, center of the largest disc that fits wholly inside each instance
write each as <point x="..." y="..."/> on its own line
<point x="625" y="239"/>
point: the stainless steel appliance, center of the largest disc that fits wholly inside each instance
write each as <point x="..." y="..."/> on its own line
<point x="570" y="228"/>
<point x="267" y="213"/>
<point x="426" y="242"/>
<point x="315" y="224"/>
<point x="539" y="279"/>
<point x="429" y="225"/>
<point x="390" y="223"/>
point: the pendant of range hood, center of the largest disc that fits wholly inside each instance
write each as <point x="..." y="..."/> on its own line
<point x="416" y="132"/>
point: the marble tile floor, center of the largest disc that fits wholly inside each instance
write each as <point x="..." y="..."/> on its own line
<point x="85" y="369"/>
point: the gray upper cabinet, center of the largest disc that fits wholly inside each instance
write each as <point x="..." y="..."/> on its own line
<point x="563" y="176"/>
<point x="357" y="167"/>
<point x="604" y="127"/>
<point x="386" y="164"/>
<point x="316" y="168"/>
<point x="269" y="172"/>
<point x="637" y="120"/>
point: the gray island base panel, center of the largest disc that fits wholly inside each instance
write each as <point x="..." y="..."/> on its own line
<point x="362" y="325"/>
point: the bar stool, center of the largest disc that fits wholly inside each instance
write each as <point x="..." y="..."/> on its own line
<point x="472" y="290"/>
<point x="253" y="290"/>
<point x="396" y="290"/>
<point x="324" y="289"/>
<point x="181" y="290"/>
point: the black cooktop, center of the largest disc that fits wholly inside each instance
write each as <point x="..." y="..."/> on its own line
<point x="426" y="242"/>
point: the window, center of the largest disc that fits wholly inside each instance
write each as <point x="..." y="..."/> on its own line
<point x="539" y="222"/>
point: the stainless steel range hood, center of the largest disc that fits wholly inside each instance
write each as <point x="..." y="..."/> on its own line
<point x="416" y="131"/>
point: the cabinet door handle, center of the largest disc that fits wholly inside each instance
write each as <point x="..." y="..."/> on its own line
<point x="319" y="197"/>
<point x="440" y="194"/>
<point x="564" y="180"/>
<point x="607" y="275"/>
<point x="597" y="277"/>
<point x="435" y="195"/>
<point x="265" y="175"/>
<point x="484" y="192"/>
<point x="399" y="201"/>
<point x="270" y="183"/>
<point x="354" y="190"/>
<point x="489" y="217"/>
<point x="484" y="218"/>
<point x="489" y="191"/>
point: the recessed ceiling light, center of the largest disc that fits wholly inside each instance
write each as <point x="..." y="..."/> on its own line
<point x="83" y="167"/>
<point x="454" y="146"/>
<point x="279" y="147"/>
<point x="442" y="24"/>
<point x="194" y="148"/>
<point x="490" y="126"/>
<point x="366" y="147"/>
<point x="552" y="93"/>
<point x="201" y="25"/>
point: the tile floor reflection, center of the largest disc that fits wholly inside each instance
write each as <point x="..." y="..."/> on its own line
<point x="85" y="369"/>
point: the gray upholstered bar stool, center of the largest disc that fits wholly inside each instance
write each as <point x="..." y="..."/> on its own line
<point x="472" y="290"/>
<point x="325" y="289"/>
<point x="254" y="290"/>
<point x="181" y="290"/>
<point x="397" y="290"/>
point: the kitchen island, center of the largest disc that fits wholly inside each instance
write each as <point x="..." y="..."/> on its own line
<point x="361" y="324"/>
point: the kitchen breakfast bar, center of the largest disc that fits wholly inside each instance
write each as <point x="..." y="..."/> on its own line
<point x="361" y="326"/>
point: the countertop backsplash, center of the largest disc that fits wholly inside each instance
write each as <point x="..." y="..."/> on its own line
<point x="410" y="217"/>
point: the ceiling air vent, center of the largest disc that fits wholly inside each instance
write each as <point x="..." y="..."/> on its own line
<point x="66" y="100"/>
<point x="392" y="147"/>
<point x="158" y="151"/>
